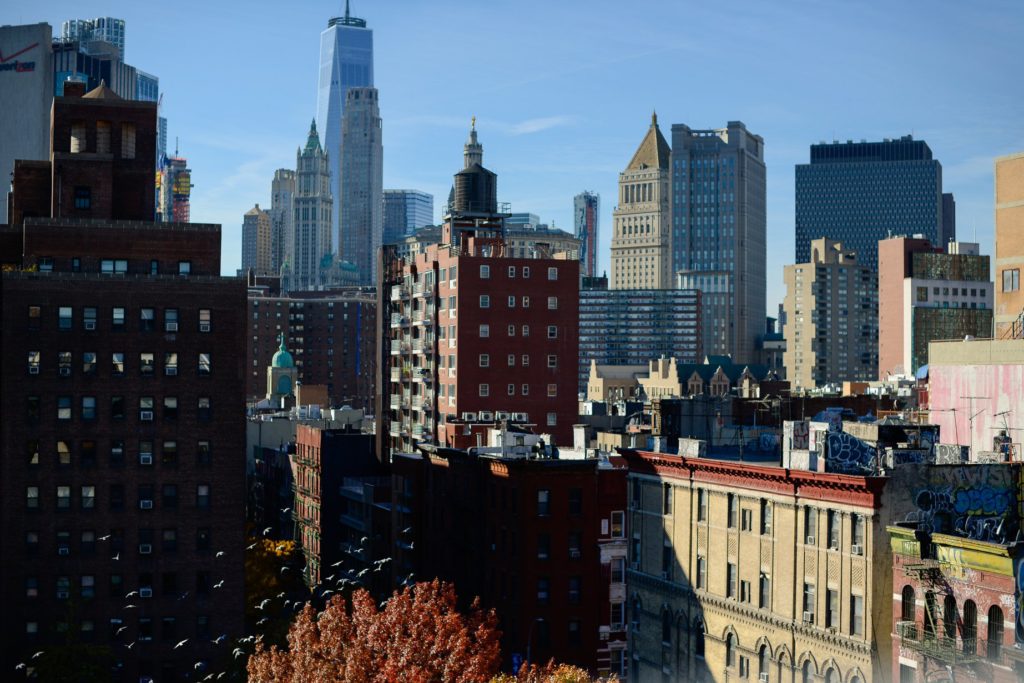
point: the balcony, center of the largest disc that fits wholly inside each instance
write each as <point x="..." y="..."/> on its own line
<point x="396" y="374"/>
<point x="395" y="401"/>
<point x="935" y="644"/>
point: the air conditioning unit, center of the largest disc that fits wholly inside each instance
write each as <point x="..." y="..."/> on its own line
<point x="763" y="678"/>
<point x="171" y="370"/>
<point x="502" y="415"/>
<point x="857" y="549"/>
<point x="469" y="417"/>
<point x="171" y="327"/>
<point x="810" y="540"/>
<point x="65" y="372"/>
<point x="63" y="595"/>
<point x="604" y="635"/>
<point x="63" y="550"/>
<point x="89" y="324"/>
<point x="146" y="415"/>
<point x="145" y="548"/>
<point x="486" y="416"/>
<point x="519" y="417"/>
<point x="145" y="458"/>
<point x="808" y="617"/>
<point x="145" y="592"/>
<point x="146" y="504"/>
<point x="204" y="327"/>
<point x="33" y="369"/>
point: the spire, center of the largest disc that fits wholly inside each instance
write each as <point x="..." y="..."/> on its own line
<point x="347" y="15"/>
<point x="472" y="151"/>
<point x="313" y="140"/>
<point x="653" y="151"/>
<point x="654" y="117"/>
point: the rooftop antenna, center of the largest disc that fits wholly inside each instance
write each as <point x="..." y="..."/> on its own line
<point x="346" y="11"/>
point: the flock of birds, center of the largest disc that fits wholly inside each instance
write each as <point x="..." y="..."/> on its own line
<point x="337" y="582"/>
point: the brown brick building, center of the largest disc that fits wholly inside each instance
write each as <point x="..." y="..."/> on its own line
<point x="332" y="336"/>
<point x="121" y="387"/>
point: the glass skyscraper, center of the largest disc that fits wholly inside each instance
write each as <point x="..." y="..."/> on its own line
<point x="586" y="210"/>
<point x="346" y="61"/>
<point x="405" y="212"/>
<point x="861" y="192"/>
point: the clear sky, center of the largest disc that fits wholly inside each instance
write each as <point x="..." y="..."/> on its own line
<point x="563" y="90"/>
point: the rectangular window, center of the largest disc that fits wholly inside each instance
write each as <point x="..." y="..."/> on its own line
<point x="618" y="524"/>
<point x="147" y="319"/>
<point x="117" y="319"/>
<point x="117" y="364"/>
<point x="147" y="364"/>
<point x="764" y="599"/>
<point x="171" y="320"/>
<point x="831" y="608"/>
<point x="484" y="390"/>
<point x="65" y="318"/>
<point x="810" y="525"/>
<point x="485" y="331"/>
<point x="617" y="616"/>
<point x="170" y="363"/>
<point x="1011" y="280"/>
<point x="575" y="589"/>
<point x="169" y="454"/>
<point x="89" y="318"/>
<point x="511" y="390"/>
<point x="552" y="361"/>
<point x="203" y="496"/>
<point x="485" y="272"/>
<point x="32" y="497"/>
<point x="858" y="534"/>
<point x="552" y="303"/>
<point x="88" y="407"/>
<point x="745" y="595"/>
<point x="88" y="497"/>
<point x="543" y="502"/>
<point x="87" y="452"/>
<point x="34" y="361"/>
<point x="511" y="271"/>
<point x="203" y="456"/>
<point x="511" y="330"/>
<point x="702" y="572"/>
<point x="485" y="301"/>
<point x="526" y="271"/>
<point x="618" y="570"/>
<point x="857" y="615"/>
<point x="552" y="332"/>
<point x="543" y="591"/>
<point x="63" y="497"/>
<point x="485" y="360"/>
<point x="766" y="517"/>
<point x="747" y="520"/>
<point x="63" y="407"/>
<point x="834" y="525"/>
<point x="733" y="503"/>
<point x="526" y="302"/>
<point x="526" y="330"/>
<point x="543" y="546"/>
<point x="808" y="602"/>
<point x="89" y="362"/>
<point x="524" y="390"/>
<point x="552" y="419"/>
<point x="702" y="505"/>
<point x="83" y="197"/>
<point x="184" y="267"/>
<point x="204" y="319"/>
<point x="552" y="390"/>
<point x="204" y="364"/>
<point x="730" y="589"/>
<point x="127" y="140"/>
<point x="552" y="273"/>
<point x="511" y="302"/>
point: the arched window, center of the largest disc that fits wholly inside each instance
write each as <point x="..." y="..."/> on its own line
<point x="831" y="676"/>
<point x="763" y="657"/>
<point x="908" y="603"/>
<point x="970" y="627"/>
<point x="949" y="616"/>
<point x="806" y="674"/>
<point x="698" y="634"/>
<point x="995" y="631"/>
<point x="730" y="650"/>
<point x="666" y="627"/>
<point x="855" y="679"/>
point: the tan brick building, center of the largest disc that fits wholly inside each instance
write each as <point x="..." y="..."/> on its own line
<point x="831" y="325"/>
<point x="744" y="572"/>
<point x="642" y="230"/>
<point x="1009" y="244"/>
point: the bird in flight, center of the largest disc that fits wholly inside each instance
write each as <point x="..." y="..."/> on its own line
<point x="220" y="553"/>
<point x="38" y="654"/>
<point x="181" y="644"/>
<point x="219" y="584"/>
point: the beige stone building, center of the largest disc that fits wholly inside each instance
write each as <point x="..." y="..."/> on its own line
<point x="614" y="382"/>
<point x="716" y="376"/>
<point x="256" y="242"/>
<point x="1009" y="245"/>
<point x="831" y="328"/>
<point x="641" y="223"/>
<point x="751" y="573"/>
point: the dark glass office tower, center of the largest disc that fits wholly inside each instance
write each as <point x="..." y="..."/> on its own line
<point x="861" y="192"/>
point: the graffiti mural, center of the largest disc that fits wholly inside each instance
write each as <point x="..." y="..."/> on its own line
<point x="1019" y="582"/>
<point x="950" y="454"/>
<point x="848" y="454"/>
<point x="974" y="501"/>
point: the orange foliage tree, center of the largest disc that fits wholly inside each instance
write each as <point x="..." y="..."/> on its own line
<point x="263" y="576"/>
<point x="552" y="672"/>
<point x="419" y="635"/>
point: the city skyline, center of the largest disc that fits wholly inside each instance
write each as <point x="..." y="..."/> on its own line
<point x="948" y="91"/>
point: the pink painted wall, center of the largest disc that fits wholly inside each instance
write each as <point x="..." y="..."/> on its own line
<point x="1001" y="388"/>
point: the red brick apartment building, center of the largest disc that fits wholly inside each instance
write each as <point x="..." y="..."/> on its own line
<point x="122" y="390"/>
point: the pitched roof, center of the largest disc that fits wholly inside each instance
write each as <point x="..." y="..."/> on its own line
<point x="653" y="152"/>
<point x="101" y="92"/>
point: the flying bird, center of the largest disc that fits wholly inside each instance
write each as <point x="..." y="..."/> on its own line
<point x="219" y="639"/>
<point x="130" y="645"/>
<point x="266" y="532"/>
<point x="181" y="644"/>
<point x="131" y="595"/>
<point x="129" y="606"/>
<point x="116" y="557"/>
<point x="123" y="628"/>
<point x="19" y="667"/>
<point x="238" y="652"/>
<point x="219" y="584"/>
<point x="105" y="538"/>
<point x="220" y="553"/>
<point x="262" y="621"/>
<point x="38" y="654"/>
<point x="250" y="547"/>
<point x="263" y="605"/>
<point x="198" y="666"/>
<point x="285" y="511"/>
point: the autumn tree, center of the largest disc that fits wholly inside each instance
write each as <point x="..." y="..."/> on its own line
<point x="418" y="635"/>
<point x="552" y="672"/>
<point x="264" y="578"/>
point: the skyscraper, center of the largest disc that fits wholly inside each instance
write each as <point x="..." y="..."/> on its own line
<point x="861" y="192"/>
<point x="586" y="207"/>
<point x="346" y="61"/>
<point x="256" y="241"/>
<point x="362" y="182"/>
<point x="641" y="237"/>
<point x="718" y="232"/>
<point x="282" y="218"/>
<point x="405" y="212"/>
<point x="106" y="29"/>
<point x="312" y="202"/>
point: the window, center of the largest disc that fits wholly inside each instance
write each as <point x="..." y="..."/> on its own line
<point x="63" y="497"/>
<point x="746" y="520"/>
<point x="809" y="602"/>
<point x="948" y="614"/>
<point x="169" y="454"/>
<point x="484" y="390"/>
<point x="485" y="360"/>
<point x="543" y="591"/>
<point x="617" y="616"/>
<point x="730" y="589"/>
<point x="730" y="650"/>
<point x="117" y="496"/>
<point x="88" y="407"/>
<point x="204" y="364"/>
<point x="857" y="534"/>
<point x="127" y="140"/>
<point x="833" y="521"/>
<point x="154" y="267"/>
<point x="552" y="303"/>
<point x="88" y="586"/>
<point x="511" y="301"/>
<point x="63" y="407"/>
<point x="763" y="658"/>
<point x="63" y="587"/>
<point x="733" y="510"/>
<point x="511" y="330"/>
<point x="203" y="453"/>
<point x="147" y="364"/>
<point x="575" y="589"/>
<point x="618" y="524"/>
<point x="184" y="267"/>
<point x="32" y="497"/>
<point x="552" y="419"/>
<point x="117" y="364"/>
<point x="169" y="540"/>
<point x="83" y="197"/>
<point x="147" y="319"/>
<point x="1011" y="280"/>
<point x="146" y="408"/>
<point x="204" y="319"/>
<point x="745" y="595"/>
<point x="34" y="315"/>
<point x="543" y="546"/>
<point x="203" y="408"/>
<point x="87" y="452"/>
<point x="526" y="271"/>
<point x="89" y="363"/>
<point x="575" y="501"/>
<point x="65" y="318"/>
<point x="552" y="390"/>
<point x="553" y="273"/>
<point x="485" y="331"/>
<point x="702" y="572"/>
<point x="485" y="272"/>
<point x="526" y="302"/>
<point x="702" y="505"/>
<point x="524" y="390"/>
<point x="63" y="453"/>
<point x="113" y="266"/>
<point x="857" y="615"/>
<point x="526" y="330"/>
<point x="764" y="592"/>
<point x="88" y="497"/>
<point x="203" y="496"/>
<point x="31" y="587"/>
<point x="203" y="539"/>
<point x="995" y="631"/>
<point x="485" y="301"/>
<point x="810" y="525"/>
<point x="831" y="608"/>
<point x="552" y="360"/>
<point x="171" y="320"/>
<point x="32" y="451"/>
<point x="543" y="502"/>
<point x="34" y="358"/>
<point x="618" y="570"/>
<point x="117" y="319"/>
<point x="170" y="363"/>
<point x="87" y="542"/>
<point x="511" y="271"/>
<point x="969" y="630"/>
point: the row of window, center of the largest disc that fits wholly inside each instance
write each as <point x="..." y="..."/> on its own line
<point x="484" y="391"/>
<point x="87" y="448"/>
<point x="89" y="360"/>
<point x="87" y="497"/>
<point x="144" y="633"/>
<point x="485" y="272"/>
<point x="88" y="411"/>
<point x="485" y="301"/>
<point x="485" y="331"/>
<point x="574" y="592"/>
<point x="83" y="199"/>
<point x="485" y="360"/>
<point x="115" y="541"/>
<point x="118" y="320"/>
<point x="945" y="622"/>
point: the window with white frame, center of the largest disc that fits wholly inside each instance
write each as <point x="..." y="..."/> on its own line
<point x="484" y="390"/>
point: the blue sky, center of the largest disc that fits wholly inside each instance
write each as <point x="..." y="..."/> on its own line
<point x="563" y="91"/>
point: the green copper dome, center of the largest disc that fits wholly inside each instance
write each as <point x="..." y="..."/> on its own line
<point x="282" y="359"/>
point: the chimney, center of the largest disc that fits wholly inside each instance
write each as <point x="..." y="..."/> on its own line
<point x="74" y="89"/>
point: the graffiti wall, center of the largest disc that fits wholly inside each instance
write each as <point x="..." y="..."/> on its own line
<point x="950" y="454"/>
<point x="1018" y="580"/>
<point x="849" y="455"/>
<point x="974" y="501"/>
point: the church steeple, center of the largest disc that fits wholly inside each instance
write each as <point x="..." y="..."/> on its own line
<point x="472" y="151"/>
